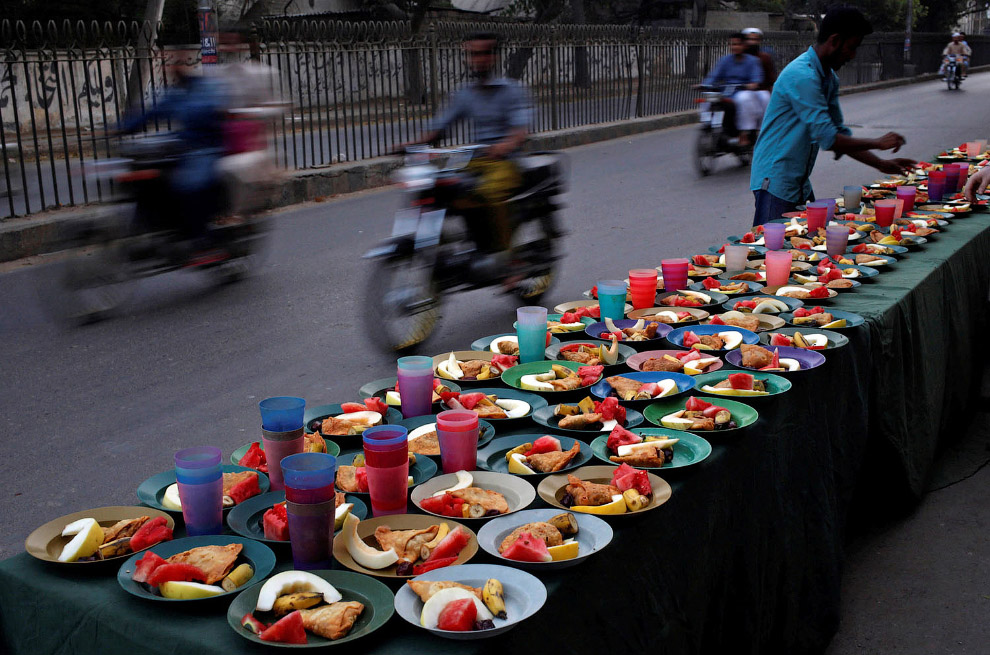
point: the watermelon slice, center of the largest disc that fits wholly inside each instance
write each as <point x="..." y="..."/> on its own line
<point x="594" y="291"/>
<point x="254" y="457"/>
<point x="375" y="404"/>
<point x="690" y="338"/>
<point x="820" y="292"/>
<point x="350" y="408"/>
<point x="154" y="531"/>
<point x="458" y="615"/>
<point x="716" y="320"/>
<point x="146" y="565"/>
<point x="651" y="388"/>
<point x="451" y="545"/>
<point x="611" y="410"/>
<point x="570" y="317"/>
<point x="176" y="573"/>
<point x="780" y="339"/>
<point x="545" y="444"/>
<point x="361" y="475"/>
<point x="774" y="361"/>
<point x="626" y="477"/>
<point x="711" y="283"/>
<point x="700" y="260"/>
<point x="749" y="237"/>
<point x="470" y="400"/>
<point x="689" y="356"/>
<point x="275" y="523"/>
<point x="425" y="567"/>
<point x="447" y="396"/>
<point x="696" y="404"/>
<point x="620" y="436"/>
<point x="712" y="410"/>
<point x="527" y="548"/>
<point x="287" y="630"/>
<point x="745" y="304"/>
<point x="860" y="248"/>
<point x="741" y="381"/>
<point x="245" y="489"/>
<point x="681" y="301"/>
<point x="721" y="249"/>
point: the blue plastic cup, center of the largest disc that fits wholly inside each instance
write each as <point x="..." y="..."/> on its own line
<point x="199" y="475"/>
<point x="282" y="413"/>
<point x="612" y="299"/>
<point x="309" y="472"/>
<point x="309" y="496"/>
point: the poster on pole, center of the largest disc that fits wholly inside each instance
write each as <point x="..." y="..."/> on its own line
<point x="209" y="32"/>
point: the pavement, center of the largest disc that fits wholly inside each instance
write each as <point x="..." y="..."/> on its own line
<point x="89" y="413"/>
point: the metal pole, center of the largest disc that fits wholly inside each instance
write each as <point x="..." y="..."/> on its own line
<point x="907" y="32"/>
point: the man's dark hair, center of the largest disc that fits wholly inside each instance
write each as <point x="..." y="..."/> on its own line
<point x="482" y="36"/>
<point x="737" y="35"/>
<point x="847" y="22"/>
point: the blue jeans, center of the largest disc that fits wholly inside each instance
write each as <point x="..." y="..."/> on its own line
<point x="769" y="207"/>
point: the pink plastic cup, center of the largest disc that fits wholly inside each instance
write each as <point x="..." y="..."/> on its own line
<point x="817" y="213"/>
<point x="643" y="287"/>
<point x="836" y="239"/>
<point x="675" y="274"/>
<point x="972" y="149"/>
<point x="907" y="194"/>
<point x="963" y="175"/>
<point x="457" y="432"/>
<point x="778" y="263"/>
<point x="885" y="210"/>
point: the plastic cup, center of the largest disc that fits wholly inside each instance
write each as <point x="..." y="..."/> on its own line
<point x="675" y="273"/>
<point x="817" y="216"/>
<point x="885" y="212"/>
<point x="898" y="208"/>
<point x="830" y="203"/>
<point x="281" y="432"/>
<point x="200" y="478"/>
<point x="907" y="194"/>
<point x="282" y="413"/>
<point x="963" y="175"/>
<point x="309" y="495"/>
<point x="386" y="460"/>
<point x="936" y="185"/>
<point x="773" y="235"/>
<point x="531" y="330"/>
<point x="836" y="239"/>
<point x="415" y="379"/>
<point x="611" y="299"/>
<point x="457" y="431"/>
<point x="643" y="287"/>
<point x="973" y="149"/>
<point x="951" y="179"/>
<point x="852" y="196"/>
<point x="735" y="257"/>
<point x="778" y="263"/>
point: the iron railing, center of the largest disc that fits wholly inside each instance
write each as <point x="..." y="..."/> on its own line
<point x="356" y="90"/>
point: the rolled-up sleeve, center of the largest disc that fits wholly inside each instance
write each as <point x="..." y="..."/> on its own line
<point x="813" y="109"/>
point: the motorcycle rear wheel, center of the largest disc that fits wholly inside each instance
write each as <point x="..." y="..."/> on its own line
<point x="706" y="151"/>
<point x="94" y="284"/>
<point x="402" y="304"/>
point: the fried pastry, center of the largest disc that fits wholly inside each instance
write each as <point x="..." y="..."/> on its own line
<point x="800" y="294"/>
<point x="486" y="409"/>
<point x="214" y="561"/>
<point x="425" y="444"/>
<point x="625" y="388"/>
<point x="508" y="347"/>
<point x="472" y="367"/>
<point x="590" y="493"/>
<point x="746" y="321"/>
<point x="124" y="528"/>
<point x="661" y="364"/>
<point x="332" y="621"/>
<point x="405" y="543"/>
<point x="581" y="358"/>
<point x="566" y="384"/>
<point x="713" y="341"/>
<point x="747" y="277"/>
<point x="488" y="499"/>
<point x="426" y="590"/>
<point x="540" y="530"/>
<point x="841" y="283"/>
<point x="651" y="457"/>
<point x="579" y="421"/>
<point x="755" y="356"/>
<point x="347" y="478"/>
<point x="648" y="332"/>
<point x="553" y="461"/>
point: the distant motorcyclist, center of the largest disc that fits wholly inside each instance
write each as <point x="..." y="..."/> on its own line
<point x="754" y="39"/>
<point x="745" y="73"/>
<point x="959" y="49"/>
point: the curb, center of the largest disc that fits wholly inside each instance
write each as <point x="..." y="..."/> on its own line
<point x="44" y="233"/>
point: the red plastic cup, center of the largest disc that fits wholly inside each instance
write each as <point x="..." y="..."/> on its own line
<point x="675" y="274"/>
<point x="642" y="287"/>
<point x="963" y="175"/>
<point x="907" y="194"/>
<point x="778" y="263"/>
<point x="951" y="179"/>
<point x="457" y="432"/>
<point x="386" y="459"/>
<point x="885" y="210"/>
<point x="936" y="185"/>
<point x="817" y="216"/>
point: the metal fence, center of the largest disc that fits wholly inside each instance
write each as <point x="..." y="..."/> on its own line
<point x="357" y="89"/>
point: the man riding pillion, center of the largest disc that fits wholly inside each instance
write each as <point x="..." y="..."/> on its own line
<point x="754" y="39"/>
<point x="956" y="48"/>
<point x="745" y="73"/>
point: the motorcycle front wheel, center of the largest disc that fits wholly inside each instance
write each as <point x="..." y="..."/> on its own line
<point x="402" y="303"/>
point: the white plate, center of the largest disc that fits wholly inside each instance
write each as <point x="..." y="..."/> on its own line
<point x="593" y="535"/>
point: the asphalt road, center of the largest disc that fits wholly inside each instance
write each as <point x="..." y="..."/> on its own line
<point x="89" y="413"/>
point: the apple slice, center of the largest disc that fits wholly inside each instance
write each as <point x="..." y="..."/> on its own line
<point x="732" y="339"/>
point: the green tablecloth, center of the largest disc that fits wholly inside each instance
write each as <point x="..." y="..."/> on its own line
<point x="746" y="555"/>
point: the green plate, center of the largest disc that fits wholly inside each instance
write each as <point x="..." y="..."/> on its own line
<point x="258" y="555"/>
<point x="378" y="601"/>
<point x="245" y="519"/>
<point x="690" y="449"/>
<point x="513" y="375"/>
<point x="492" y="457"/>
<point x="776" y="384"/>
<point x="150" y="491"/>
<point x="835" y="340"/>
<point x="485" y="430"/>
<point x="332" y="449"/>
<point x="743" y="415"/>
<point x="535" y="402"/>
<point x="424" y="469"/>
<point x="544" y="416"/>
<point x="314" y="417"/>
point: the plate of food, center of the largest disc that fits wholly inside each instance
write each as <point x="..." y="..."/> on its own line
<point x="865" y="259"/>
<point x="754" y="238"/>
<point x="744" y="276"/>
<point x="822" y="273"/>
<point x="239" y="483"/>
<point x="759" y="305"/>
<point x="639" y="389"/>
<point x="608" y="353"/>
<point x="196" y="568"/>
<point x="472" y="367"/>
<point x="802" y="293"/>
<point x="423" y="434"/>
<point x="752" y="386"/>
<point x="753" y="249"/>
<point x="98" y="535"/>
<point x="748" y="321"/>
<point x="587" y="417"/>
<point x="473" y="601"/>
<point x="803" y="256"/>
<point x="688" y="298"/>
<point x="717" y="338"/>
<point x="544" y="539"/>
<point x="473" y="495"/>
<point x="506" y="343"/>
<point x="811" y="338"/>
<point x="569" y="325"/>
<point x="533" y="454"/>
<point x="552" y="377"/>
<point x="353" y="479"/>
<point x="819" y="317"/>
<point x="610" y="491"/>
<point x="349" y="419"/>
<point x="252" y="455"/>
<point x="403" y="545"/>
<point x="497" y="405"/>
<point x="699" y="272"/>
<point x="387" y="390"/>
<point x="776" y="359"/>
<point x="956" y="209"/>
<point x="634" y="333"/>
<point x="263" y="518"/>
<point x="708" y="414"/>
<point x="583" y="308"/>
<point x="728" y="287"/>
<point x="689" y="362"/>
<point x="679" y="316"/>
<point x="896" y="237"/>
<point x="311" y="609"/>
<point x="651" y="448"/>
<point x="836" y="281"/>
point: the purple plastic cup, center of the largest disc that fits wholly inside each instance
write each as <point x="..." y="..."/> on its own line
<point x="773" y="235"/>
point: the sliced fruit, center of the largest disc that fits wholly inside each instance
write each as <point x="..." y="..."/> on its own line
<point x="731" y="338"/>
<point x="88" y="536"/>
<point x="458" y="615"/>
<point x="790" y="364"/>
<point x="617" y="506"/>
<point x="533" y="382"/>
<point x="393" y="398"/>
<point x="171" y="498"/>
<point x="299" y="600"/>
<point x="517" y="465"/>
<point x="287" y="630"/>
<point x="513" y="408"/>
<point x="722" y="391"/>
<point x="506" y="339"/>
<point x="840" y="323"/>
<point x="565" y="551"/>
<point x="179" y="590"/>
<point x="289" y="582"/>
<point x="666" y="388"/>
<point x="464" y="480"/>
<point x="251" y="624"/>
<point x="493" y="595"/>
<point x="363" y="554"/>
<point x="430" y="615"/>
<point x="676" y="422"/>
<point x="528" y="548"/>
<point x="450" y="369"/>
<point x="634" y="500"/>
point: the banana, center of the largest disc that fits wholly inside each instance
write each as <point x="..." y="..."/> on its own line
<point x="238" y="577"/>
<point x="298" y="601"/>
<point x="115" y="548"/>
<point x="799" y="340"/>
<point x="494" y="598"/>
<point x="522" y="449"/>
<point x="634" y="500"/>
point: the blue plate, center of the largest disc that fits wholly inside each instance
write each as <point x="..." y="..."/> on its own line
<point x="150" y="491"/>
<point x="792" y="303"/>
<point x="809" y="359"/>
<point x="685" y="383"/>
<point x="424" y="469"/>
<point x="492" y="456"/>
<point x="676" y="337"/>
<point x="246" y="519"/>
<point x="852" y="320"/>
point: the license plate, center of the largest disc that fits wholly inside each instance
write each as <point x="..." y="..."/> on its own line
<point x="406" y="222"/>
<point x="717" y="118"/>
<point x="430" y="228"/>
<point x="706" y="116"/>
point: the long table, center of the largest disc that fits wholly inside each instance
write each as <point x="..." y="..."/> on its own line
<point x="746" y="555"/>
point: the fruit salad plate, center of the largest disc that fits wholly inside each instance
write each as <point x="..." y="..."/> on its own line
<point x="237" y="455"/>
<point x="46" y="542"/>
<point x="730" y="342"/>
<point x="635" y="333"/>
<point x="588" y="347"/>
<point x="518" y="493"/>
<point x="673" y="316"/>
<point x="247" y="518"/>
<point x="552" y="379"/>
<point x="257" y="555"/>
<point x="385" y="389"/>
<point x="690" y="449"/>
<point x="638" y="361"/>
<point x="516" y="412"/>
<point x="491" y="342"/>
<point x="377" y="599"/>
<point x="523" y="596"/>
<point x="792" y="360"/>
<point x="742" y="415"/>
<point x="553" y="490"/>
<point x="833" y="340"/>
<point x="546" y="417"/>
<point x="151" y="492"/>
<point x="420" y="426"/>
<point x="314" y="417"/>
<point x="592" y="535"/>
<point x="422" y="470"/>
<point x="496" y="455"/>
<point x="653" y="386"/>
<point x="750" y="386"/>
<point x="851" y="320"/>
<point x="728" y="287"/>
<point x="760" y="305"/>
<point x="691" y="299"/>
<point x="764" y="321"/>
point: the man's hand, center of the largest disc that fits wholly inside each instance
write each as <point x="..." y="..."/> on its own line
<point x="889" y="141"/>
<point x="895" y="166"/>
<point x="977" y="183"/>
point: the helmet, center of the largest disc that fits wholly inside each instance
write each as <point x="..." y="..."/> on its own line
<point x="955" y="34"/>
<point x="753" y="30"/>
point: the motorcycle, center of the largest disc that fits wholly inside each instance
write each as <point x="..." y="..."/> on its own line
<point x="136" y="236"/>
<point x="717" y="135"/>
<point x="952" y="72"/>
<point x="429" y="255"/>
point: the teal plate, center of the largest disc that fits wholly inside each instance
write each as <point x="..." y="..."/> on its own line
<point x="483" y="344"/>
<point x="150" y="491"/>
<point x="492" y="457"/>
<point x="776" y="384"/>
<point x="742" y="414"/>
<point x="378" y="601"/>
<point x="377" y="388"/>
<point x="314" y="418"/>
<point x="688" y="451"/>
<point x="535" y="402"/>
<point x="258" y="555"/>
<point x="544" y="416"/>
<point x="513" y="376"/>
<point x="332" y="449"/>
<point x="485" y="430"/>
<point x="245" y="519"/>
<point x="424" y="469"/>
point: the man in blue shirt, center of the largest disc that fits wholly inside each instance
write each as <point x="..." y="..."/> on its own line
<point x="804" y="116"/>
<point x="744" y="72"/>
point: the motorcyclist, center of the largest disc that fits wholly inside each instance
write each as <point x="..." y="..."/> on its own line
<point x="745" y="73"/>
<point x="956" y="48"/>
<point x="754" y="39"/>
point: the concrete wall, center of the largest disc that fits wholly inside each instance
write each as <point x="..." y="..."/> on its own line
<point x="737" y="20"/>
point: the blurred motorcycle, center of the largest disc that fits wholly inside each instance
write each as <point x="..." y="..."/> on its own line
<point x="717" y="135"/>
<point x="952" y="73"/>
<point x="429" y="255"/>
